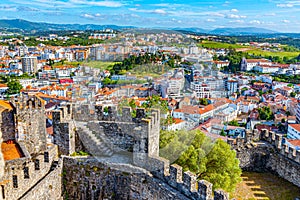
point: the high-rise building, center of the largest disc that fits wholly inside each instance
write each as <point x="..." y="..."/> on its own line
<point x="298" y="112"/>
<point x="29" y="64"/>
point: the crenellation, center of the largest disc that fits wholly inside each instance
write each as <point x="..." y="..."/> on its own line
<point x="205" y="190"/>
<point x="140" y="113"/>
<point x="190" y="181"/>
<point x="297" y="157"/>
<point x="230" y="141"/>
<point x="221" y="195"/>
<point x="175" y="175"/>
<point x="291" y="153"/>
<point x="126" y="114"/>
<point x="278" y="141"/>
<point x="240" y="142"/>
<point x="284" y="150"/>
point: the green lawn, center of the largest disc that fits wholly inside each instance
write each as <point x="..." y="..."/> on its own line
<point x="249" y="49"/>
<point x="98" y="64"/>
<point x="269" y="53"/>
<point x="219" y="45"/>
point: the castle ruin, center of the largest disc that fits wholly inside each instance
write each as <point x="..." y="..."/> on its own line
<point x="124" y="160"/>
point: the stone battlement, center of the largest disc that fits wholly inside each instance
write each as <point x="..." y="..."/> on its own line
<point x="283" y="149"/>
<point x="184" y="182"/>
<point x="276" y="140"/>
<point x="173" y="185"/>
<point x="28" y="103"/>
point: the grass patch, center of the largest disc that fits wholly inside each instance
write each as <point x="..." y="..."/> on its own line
<point x="149" y="70"/>
<point x="281" y="54"/>
<point x="219" y="45"/>
<point x="264" y="186"/>
<point x="99" y="64"/>
<point x="248" y="49"/>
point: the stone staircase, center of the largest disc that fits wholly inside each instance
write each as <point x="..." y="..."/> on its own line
<point x="94" y="143"/>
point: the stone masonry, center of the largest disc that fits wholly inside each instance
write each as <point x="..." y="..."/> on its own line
<point x="269" y="154"/>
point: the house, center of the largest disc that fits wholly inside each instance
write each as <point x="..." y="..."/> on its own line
<point x="293" y="131"/>
<point x="177" y="124"/>
<point x="249" y="64"/>
<point x="293" y="143"/>
<point x="194" y="113"/>
<point x="221" y="64"/>
<point x="3" y="88"/>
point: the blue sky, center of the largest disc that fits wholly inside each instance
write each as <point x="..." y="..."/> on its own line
<point x="283" y="16"/>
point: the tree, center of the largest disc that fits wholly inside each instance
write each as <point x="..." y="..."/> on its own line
<point x="203" y="101"/>
<point x="223" y="133"/>
<point x="265" y="113"/>
<point x="233" y="123"/>
<point x="293" y="94"/>
<point x="194" y="151"/>
<point x="14" y="87"/>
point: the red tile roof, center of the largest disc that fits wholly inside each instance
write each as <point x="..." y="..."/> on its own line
<point x="295" y="126"/>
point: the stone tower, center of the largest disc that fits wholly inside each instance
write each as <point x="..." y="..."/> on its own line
<point x="31" y="123"/>
<point x="1" y="159"/>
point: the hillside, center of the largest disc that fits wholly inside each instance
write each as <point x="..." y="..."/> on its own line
<point x="41" y="26"/>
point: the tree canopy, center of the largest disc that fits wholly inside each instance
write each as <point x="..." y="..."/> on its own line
<point x="203" y="101"/>
<point x="14" y="87"/>
<point x="211" y="161"/>
<point x="265" y="113"/>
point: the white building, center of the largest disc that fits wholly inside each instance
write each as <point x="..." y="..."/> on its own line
<point x="201" y="90"/>
<point x="232" y="86"/>
<point x="249" y="64"/>
<point x="29" y="64"/>
<point x="293" y="131"/>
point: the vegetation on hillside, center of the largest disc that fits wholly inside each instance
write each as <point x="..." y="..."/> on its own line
<point x="134" y="61"/>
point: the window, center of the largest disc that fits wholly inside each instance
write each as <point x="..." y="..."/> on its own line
<point x="26" y="172"/>
<point x="2" y="191"/>
<point x="15" y="181"/>
<point x="46" y="157"/>
<point x="37" y="164"/>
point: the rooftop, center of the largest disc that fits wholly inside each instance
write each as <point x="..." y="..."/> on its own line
<point x="295" y="126"/>
<point x="11" y="150"/>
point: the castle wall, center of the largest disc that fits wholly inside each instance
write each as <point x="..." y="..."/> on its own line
<point x="7" y="125"/>
<point x="271" y="154"/>
<point x="2" y="163"/>
<point x="31" y="127"/>
<point x="49" y="188"/>
<point x="64" y="130"/>
<point x="25" y="172"/>
<point x="88" y="179"/>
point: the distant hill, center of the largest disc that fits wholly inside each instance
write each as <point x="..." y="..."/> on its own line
<point x="26" y="26"/>
<point x="229" y="31"/>
<point x="242" y="31"/>
<point x="41" y="26"/>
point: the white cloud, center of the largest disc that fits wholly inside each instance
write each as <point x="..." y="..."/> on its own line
<point x="155" y="11"/>
<point x="97" y="3"/>
<point x="237" y="21"/>
<point x="97" y="14"/>
<point x="255" y="22"/>
<point x="234" y="10"/>
<point x="285" y="5"/>
<point x="285" y="21"/>
<point x="210" y="20"/>
<point x="217" y="14"/>
<point x="159" y="11"/>
<point x="233" y="16"/>
<point x="270" y="14"/>
<point x="89" y="16"/>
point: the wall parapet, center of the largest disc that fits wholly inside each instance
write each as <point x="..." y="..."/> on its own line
<point x="277" y="141"/>
<point x="185" y="182"/>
